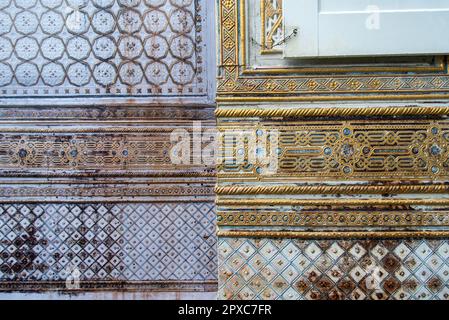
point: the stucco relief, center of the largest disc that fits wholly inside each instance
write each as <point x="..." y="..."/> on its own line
<point x="112" y="48"/>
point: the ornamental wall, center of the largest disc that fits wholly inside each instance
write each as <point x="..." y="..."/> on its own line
<point x="352" y="203"/>
<point x="90" y="92"/>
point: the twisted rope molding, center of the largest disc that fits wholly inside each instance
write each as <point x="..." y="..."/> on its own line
<point x="341" y="189"/>
<point x="335" y="235"/>
<point x="330" y="112"/>
<point x="331" y="202"/>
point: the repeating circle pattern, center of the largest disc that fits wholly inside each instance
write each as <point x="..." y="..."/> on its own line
<point x="105" y="43"/>
<point x="27" y="48"/>
<point x="105" y="74"/>
<point x="130" y="47"/>
<point x="131" y="73"/>
<point x="79" y="74"/>
<point x="52" y="22"/>
<point x="104" y="48"/>
<point x="53" y="74"/>
<point x="52" y="48"/>
<point x="156" y="47"/>
<point x="156" y="73"/>
<point x="27" y="74"/>
<point x="103" y="22"/>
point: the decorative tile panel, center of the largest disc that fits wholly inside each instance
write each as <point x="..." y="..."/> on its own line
<point x="288" y="269"/>
<point x="103" y="48"/>
<point x="86" y="149"/>
<point x="106" y="243"/>
<point x="341" y="150"/>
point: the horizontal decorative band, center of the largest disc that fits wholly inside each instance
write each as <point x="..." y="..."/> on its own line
<point x="323" y="150"/>
<point x="332" y="202"/>
<point x="329" y="112"/>
<point x="97" y="286"/>
<point x="101" y="200"/>
<point x="335" y="235"/>
<point x="335" y="218"/>
<point x="108" y="190"/>
<point x="340" y="189"/>
<point x="201" y="173"/>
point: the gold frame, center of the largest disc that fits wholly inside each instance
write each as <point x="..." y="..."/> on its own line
<point x="237" y="83"/>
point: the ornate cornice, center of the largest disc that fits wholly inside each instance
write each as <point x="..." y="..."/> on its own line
<point x="252" y="112"/>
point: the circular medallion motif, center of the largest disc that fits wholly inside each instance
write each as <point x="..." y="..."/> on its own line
<point x="78" y="74"/>
<point x="182" y="47"/>
<point x="156" y="47"/>
<point x="52" y="48"/>
<point x="105" y="74"/>
<point x="53" y="74"/>
<point x="155" y="21"/>
<point x="27" y="48"/>
<point x="4" y="3"/>
<point x="104" y="48"/>
<point x="27" y="74"/>
<point x="78" y="48"/>
<point x="129" y="21"/>
<point x="156" y="73"/>
<point x="26" y="22"/>
<point x="52" y="22"/>
<point x="181" y="21"/>
<point x="103" y="22"/>
<point x="77" y="4"/>
<point x="77" y="22"/>
<point x="130" y="47"/>
<point x="182" y="73"/>
<point x="131" y="73"/>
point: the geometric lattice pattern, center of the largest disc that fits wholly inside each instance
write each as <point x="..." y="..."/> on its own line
<point x="348" y="149"/>
<point x="128" y="242"/>
<point x="107" y="47"/>
<point x="333" y="269"/>
<point x="272" y="25"/>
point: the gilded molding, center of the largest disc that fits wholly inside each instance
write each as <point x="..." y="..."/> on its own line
<point x="331" y="202"/>
<point x="337" y="189"/>
<point x="343" y="218"/>
<point x="329" y="112"/>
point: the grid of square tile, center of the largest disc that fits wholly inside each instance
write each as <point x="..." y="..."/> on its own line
<point x="333" y="269"/>
<point x="120" y="242"/>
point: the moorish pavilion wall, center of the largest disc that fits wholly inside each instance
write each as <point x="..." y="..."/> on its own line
<point x="90" y="92"/>
<point x="353" y="201"/>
